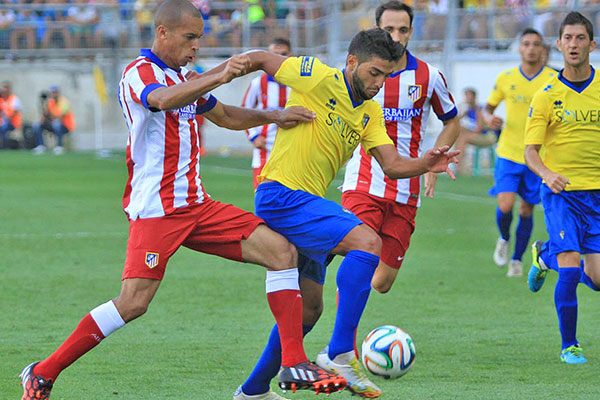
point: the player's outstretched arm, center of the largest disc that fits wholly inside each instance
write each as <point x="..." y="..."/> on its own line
<point x="494" y="122"/>
<point x="183" y="94"/>
<point x="556" y="182"/>
<point x="265" y="61"/>
<point x="398" y="167"/>
<point x="239" y="118"/>
<point x="447" y="137"/>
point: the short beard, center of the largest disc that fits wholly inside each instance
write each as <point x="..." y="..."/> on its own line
<point x="359" y="88"/>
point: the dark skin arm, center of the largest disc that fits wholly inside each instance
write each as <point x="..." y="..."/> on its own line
<point x="398" y="167"/>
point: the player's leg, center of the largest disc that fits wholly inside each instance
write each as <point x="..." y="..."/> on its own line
<point x="504" y="217"/>
<point x="267" y="367"/>
<point x="590" y="275"/>
<point x="522" y="235"/>
<point x="384" y="277"/>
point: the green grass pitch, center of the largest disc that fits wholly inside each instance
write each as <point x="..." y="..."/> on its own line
<point x="63" y="235"/>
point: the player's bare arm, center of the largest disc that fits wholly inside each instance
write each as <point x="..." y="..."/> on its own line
<point x="398" y="167"/>
<point x="183" y="94"/>
<point x="239" y="118"/>
<point x="265" y="61"/>
<point x="493" y="121"/>
<point x="556" y="182"/>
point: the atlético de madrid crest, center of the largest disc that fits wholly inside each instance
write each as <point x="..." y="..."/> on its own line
<point x="151" y="259"/>
<point x="414" y="92"/>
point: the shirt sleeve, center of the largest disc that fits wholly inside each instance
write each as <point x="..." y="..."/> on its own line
<point x="205" y="103"/>
<point x="441" y="99"/>
<point x="301" y="73"/>
<point x="496" y="96"/>
<point x="538" y="119"/>
<point x="143" y="79"/>
<point x="375" y="133"/>
<point x="252" y="99"/>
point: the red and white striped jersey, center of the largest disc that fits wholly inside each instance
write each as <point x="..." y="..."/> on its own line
<point x="407" y="97"/>
<point x="163" y="158"/>
<point x="264" y="93"/>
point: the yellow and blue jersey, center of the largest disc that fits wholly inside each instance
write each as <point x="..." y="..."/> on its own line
<point x="517" y="90"/>
<point x="308" y="156"/>
<point x="565" y="119"/>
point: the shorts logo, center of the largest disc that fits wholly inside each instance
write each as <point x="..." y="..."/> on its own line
<point x="151" y="259"/>
<point x="414" y="92"/>
<point x="306" y="66"/>
<point x="562" y="235"/>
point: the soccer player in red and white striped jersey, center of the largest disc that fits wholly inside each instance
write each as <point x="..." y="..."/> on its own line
<point x="168" y="208"/>
<point x="264" y="93"/>
<point x="407" y="98"/>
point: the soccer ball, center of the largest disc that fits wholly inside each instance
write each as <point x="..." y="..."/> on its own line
<point x="388" y="352"/>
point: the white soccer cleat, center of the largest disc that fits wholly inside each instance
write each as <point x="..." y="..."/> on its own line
<point x="515" y="268"/>
<point x="58" y="150"/>
<point x="347" y="366"/>
<point x="270" y="395"/>
<point x="501" y="252"/>
<point x="39" y="149"/>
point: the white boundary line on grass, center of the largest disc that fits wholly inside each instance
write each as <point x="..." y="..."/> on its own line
<point x="61" y="235"/>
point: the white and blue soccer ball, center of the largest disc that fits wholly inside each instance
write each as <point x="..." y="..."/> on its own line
<point x="388" y="352"/>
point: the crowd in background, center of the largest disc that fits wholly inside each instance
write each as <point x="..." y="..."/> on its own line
<point x="77" y="24"/>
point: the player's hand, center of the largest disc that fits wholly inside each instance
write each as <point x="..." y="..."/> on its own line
<point x="238" y="65"/>
<point x="439" y="159"/>
<point x="430" y="181"/>
<point x="556" y="182"/>
<point x="260" y="142"/>
<point x="191" y="75"/>
<point x="292" y="116"/>
<point x="494" y="122"/>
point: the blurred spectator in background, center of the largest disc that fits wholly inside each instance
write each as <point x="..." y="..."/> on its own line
<point x="110" y="32"/>
<point x="10" y="113"/>
<point x="56" y="34"/>
<point x="512" y="18"/>
<point x="473" y="24"/>
<point x="7" y="19"/>
<point x="472" y="128"/>
<point x="57" y="118"/>
<point x="83" y="18"/>
<point x="256" y="17"/>
<point x="144" y="16"/>
<point x="435" y="22"/>
<point x="24" y="30"/>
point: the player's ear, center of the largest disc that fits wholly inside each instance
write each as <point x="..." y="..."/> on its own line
<point x="161" y="32"/>
<point x="592" y="45"/>
<point x="351" y="62"/>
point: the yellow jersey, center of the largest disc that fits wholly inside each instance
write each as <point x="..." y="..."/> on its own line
<point x="308" y="156"/>
<point x="516" y="90"/>
<point x="565" y="119"/>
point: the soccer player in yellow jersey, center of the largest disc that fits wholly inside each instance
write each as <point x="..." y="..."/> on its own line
<point x="565" y="118"/>
<point x="516" y="88"/>
<point x="303" y="163"/>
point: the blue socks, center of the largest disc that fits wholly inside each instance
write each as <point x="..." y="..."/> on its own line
<point x="354" y="285"/>
<point x="504" y="220"/>
<point x="268" y="364"/>
<point x="523" y="234"/>
<point x="565" y="299"/>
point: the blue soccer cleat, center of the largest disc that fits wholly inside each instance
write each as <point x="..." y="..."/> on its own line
<point x="538" y="271"/>
<point x="573" y="355"/>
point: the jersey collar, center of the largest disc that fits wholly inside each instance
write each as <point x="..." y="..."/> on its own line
<point x="533" y="77"/>
<point x="354" y="104"/>
<point x="154" y="58"/>
<point x="411" y="64"/>
<point x="575" y="88"/>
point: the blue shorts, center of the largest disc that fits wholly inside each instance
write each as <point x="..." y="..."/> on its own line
<point x="572" y="220"/>
<point x="513" y="177"/>
<point x="313" y="224"/>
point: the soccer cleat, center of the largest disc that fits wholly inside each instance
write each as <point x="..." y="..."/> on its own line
<point x="573" y="355"/>
<point x="34" y="387"/>
<point x="515" y="268"/>
<point x="501" y="252"/>
<point x="347" y="365"/>
<point x="270" y="395"/>
<point x="538" y="271"/>
<point x="308" y="376"/>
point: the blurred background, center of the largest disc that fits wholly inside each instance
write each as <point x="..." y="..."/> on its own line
<point x="82" y="46"/>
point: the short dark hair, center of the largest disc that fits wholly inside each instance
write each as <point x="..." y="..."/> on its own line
<point x="170" y="13"/>
<point x="375" y="42"/>
<point x="577" y="18"/>
<point x="470" y="90"/>
<point x="279" y="41"/>
<point x="531" y="31"/>
<point x="396" y="6"/>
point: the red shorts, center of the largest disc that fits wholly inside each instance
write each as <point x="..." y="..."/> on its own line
<point x="209" y="227"/>
<point x="394" y="223"/>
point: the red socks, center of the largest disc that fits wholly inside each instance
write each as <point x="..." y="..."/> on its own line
<point x="86" y="336"/>
<point x="286" y="306"/>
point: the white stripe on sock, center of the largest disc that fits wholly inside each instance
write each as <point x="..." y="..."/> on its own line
<point x="107" y="318"/>
<point x="282" y="280"/>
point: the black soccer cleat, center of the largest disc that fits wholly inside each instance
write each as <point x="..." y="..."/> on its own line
<point x="308" y="376"/>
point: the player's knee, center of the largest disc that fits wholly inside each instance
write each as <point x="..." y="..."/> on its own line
<point x="131" y="310"/>
<point x="381" y="286"/>
<point x="284" y="256"/>
<point x="371" y="242"/>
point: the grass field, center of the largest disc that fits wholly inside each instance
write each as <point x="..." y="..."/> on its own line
<point x="63" y="235"/>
